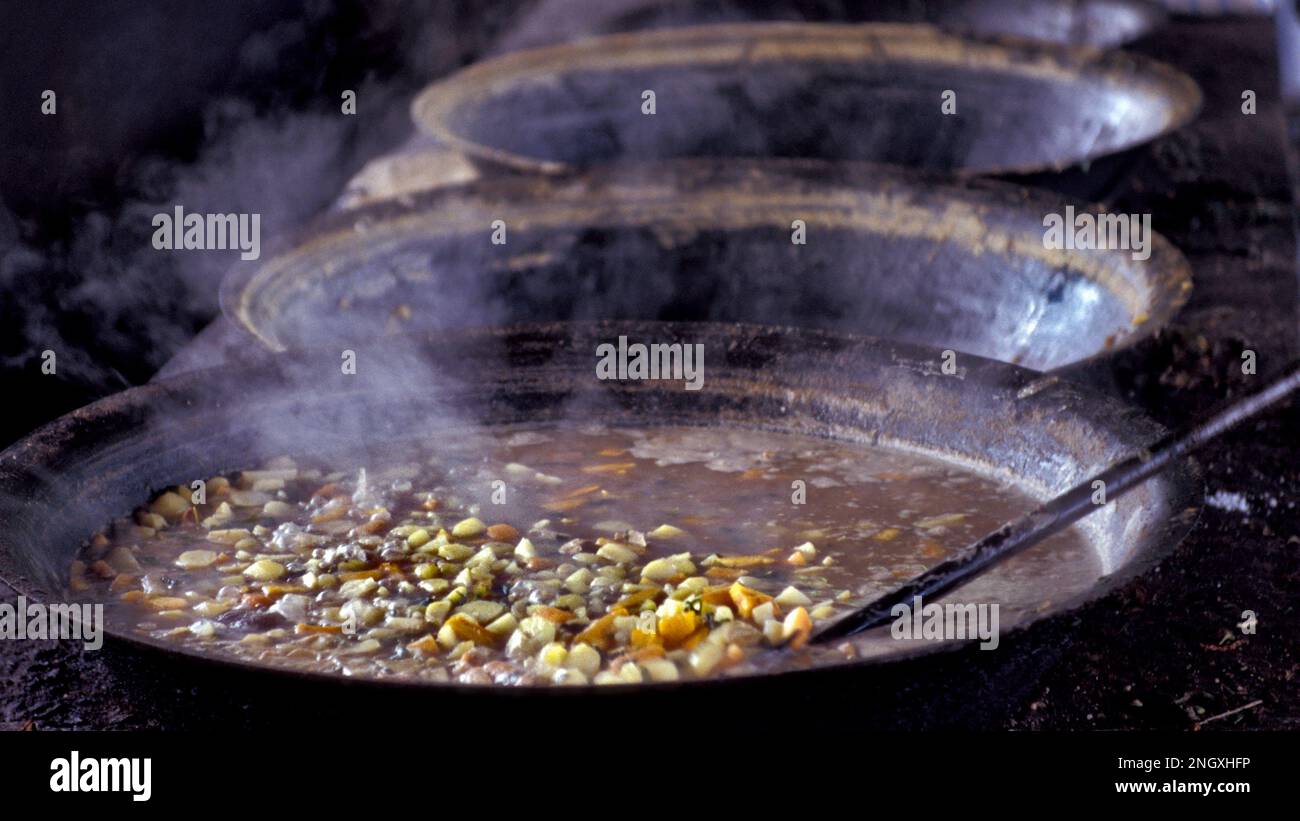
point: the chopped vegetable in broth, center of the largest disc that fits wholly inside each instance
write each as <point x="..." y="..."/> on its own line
<point x="558" y="555"/>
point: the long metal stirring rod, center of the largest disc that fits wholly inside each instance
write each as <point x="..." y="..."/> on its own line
<point x="1063" y="511"/>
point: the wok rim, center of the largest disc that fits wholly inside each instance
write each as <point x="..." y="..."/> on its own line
<point x="431" y="108"/>
<point x="1171" y="282"/>
<point x="1185" y="500"/>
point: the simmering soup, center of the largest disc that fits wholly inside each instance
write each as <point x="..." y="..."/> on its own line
<point x="565" y="555"/>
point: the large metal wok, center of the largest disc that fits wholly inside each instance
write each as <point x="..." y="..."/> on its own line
<point x="68" y="478"/>
<point x="886" y="254"/>
<point x="838" y="92"/>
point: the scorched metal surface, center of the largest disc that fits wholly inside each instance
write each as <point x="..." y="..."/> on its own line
<point x="886" y="253"/>
<point x="871" y="93"/>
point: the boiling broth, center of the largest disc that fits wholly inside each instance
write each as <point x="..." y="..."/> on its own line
<point x="564" y="555"/>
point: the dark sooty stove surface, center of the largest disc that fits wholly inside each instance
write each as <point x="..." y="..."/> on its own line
<point x="1164" y="652"/>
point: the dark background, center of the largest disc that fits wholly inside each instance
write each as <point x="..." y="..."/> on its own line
<point x="228" y="106"/>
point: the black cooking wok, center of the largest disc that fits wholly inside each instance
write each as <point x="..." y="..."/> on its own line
<point x="872" y="93"/>
<point x="1103" y="23"/>
<point x="70" y="477"/>
<point x="886" y="254"/>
